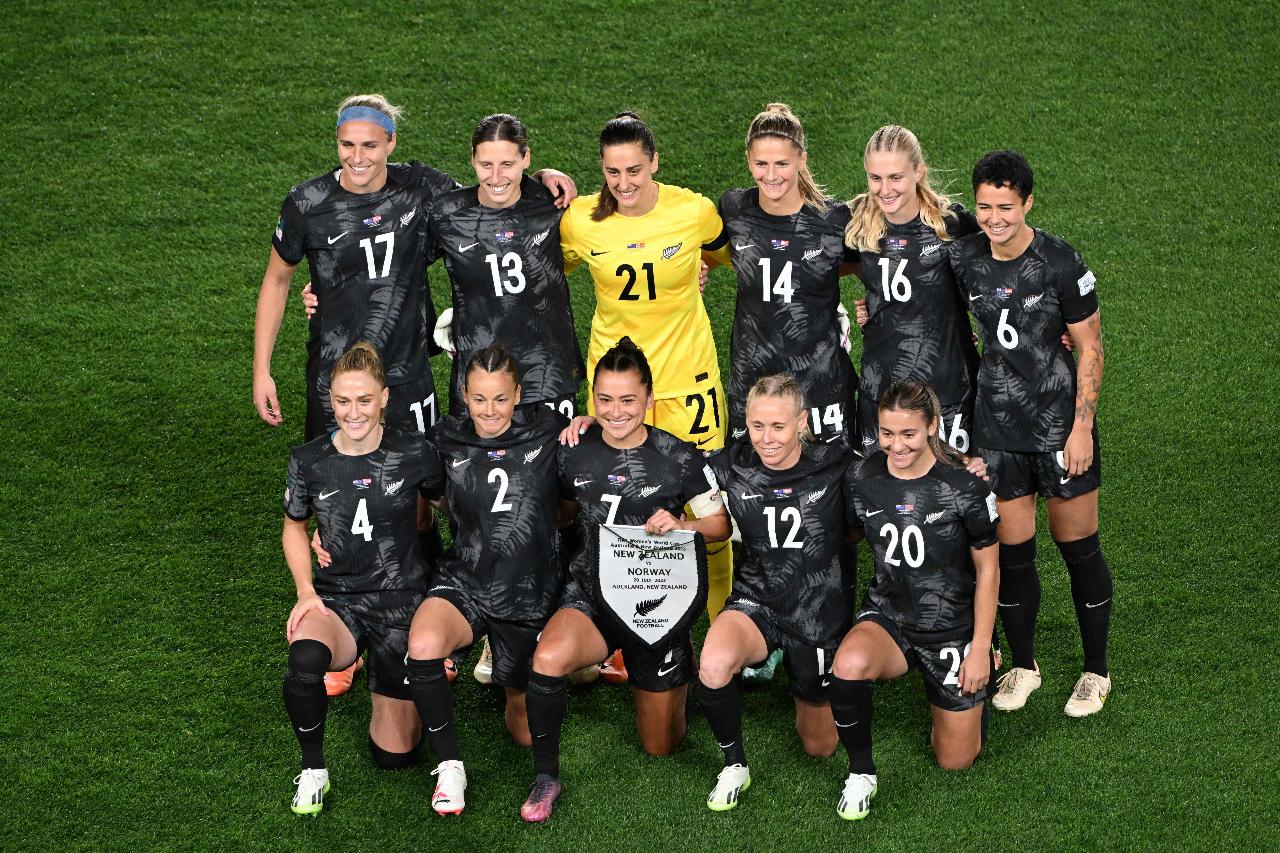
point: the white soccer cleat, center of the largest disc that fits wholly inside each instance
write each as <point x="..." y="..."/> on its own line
<point x="586" y="675"/>
<point x="855" y="800"/>
<point x="730" y="784"/>
<point x="484" y="668"/>
<point x="1014" y="687"/>
<point x="451" y="781"/>
<point x="1090" y="693"/>
<point x="312" y="786"/>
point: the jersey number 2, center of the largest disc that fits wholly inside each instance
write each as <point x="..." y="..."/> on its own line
<point x="500" y="504"/>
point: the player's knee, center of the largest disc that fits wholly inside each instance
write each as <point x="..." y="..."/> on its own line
<point x="425" y="645"/>
<point x="553" y="659"/>
<point x="308" y="660"/>
<point x="955" y="756"/>
<point x="717" y="667"/>
<point x="664" y="743"/>
<point x="388" y="760"/>
<point x="853" y="665"/>
<point x="819" y="745"/>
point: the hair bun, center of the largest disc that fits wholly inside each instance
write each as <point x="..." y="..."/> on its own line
<point x="628" y="114"/>
<point x="778" y="108"/>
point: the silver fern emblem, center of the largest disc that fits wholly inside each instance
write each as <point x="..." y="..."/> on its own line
<point x="644" y="608"/>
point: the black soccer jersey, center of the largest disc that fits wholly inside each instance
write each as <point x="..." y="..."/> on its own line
<point x="368" y="259"/>
<point x="917" y="329"/>
<point x="921" y="531"/>
<point x="788" y="270"/>
<point x="1027" y="379"/>
<point x="509" y="287"/>
<point x="628" y="486"/>
<point x="501" y="494"/>
<point x="793" y="524"/>
<point x="366" y="508"/>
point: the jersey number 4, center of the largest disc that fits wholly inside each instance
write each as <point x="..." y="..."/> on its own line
<point x="360" y="525"/>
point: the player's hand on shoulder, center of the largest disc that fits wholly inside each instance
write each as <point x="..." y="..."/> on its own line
<point x="662" y="523"/>
<point x="572" y="434"/>
<point x="310" y="302"/>
<point x="703" y="271"/>
<point x="860" y="313"/>
<point x="975" y="670"/>
<point x="306" y="603"/>
<point x="559" y="185"/>
<point x="323" y="557"/>
<point x="265" y="401"/>
<point x="977" y="466"/>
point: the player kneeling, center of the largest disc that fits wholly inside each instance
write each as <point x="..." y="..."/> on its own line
<point x="929" y="607"/>
<point x="621" y="472"/>
<point x="501" y="576"/>
<point x="792" y="592"/>
<point x="362" y="485"/>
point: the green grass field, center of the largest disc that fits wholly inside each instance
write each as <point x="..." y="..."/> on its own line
<point x="143" y="627"/>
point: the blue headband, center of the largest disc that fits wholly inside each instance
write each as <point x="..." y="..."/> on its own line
<point x="367" y="114"/>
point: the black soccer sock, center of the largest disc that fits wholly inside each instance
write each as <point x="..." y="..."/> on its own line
<point x="851" y="706"/>
<point x="545" y="700"/>
<point x="1091" y="591"/>
<point x="1020" y="600"/>
<point x="433" y="696"/>
<point x="723" y="709"/>
<point x="305" y="699"/>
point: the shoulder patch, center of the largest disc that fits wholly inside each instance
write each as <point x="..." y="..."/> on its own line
<point x="1086" y="282"/>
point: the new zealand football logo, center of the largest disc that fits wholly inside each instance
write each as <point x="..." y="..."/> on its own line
<point x="644" y="608"/>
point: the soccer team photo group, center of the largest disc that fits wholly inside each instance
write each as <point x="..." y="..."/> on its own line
<point x="933" y="453"/>
<point x="640" y="426"/>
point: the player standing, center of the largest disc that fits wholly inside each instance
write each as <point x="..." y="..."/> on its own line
<point x="792" y="591"/>
<point x="361" y="484"/>
<point x="621" y="472"/>
<point x="643" y="243"/>
<point x="931" y="604"/>
<point x="1034" y="420"/>
<point x="501" y="577"/>
<point x="917" y="328"/>
<point x="501" y="245"/>
<point x="786" y="245"/>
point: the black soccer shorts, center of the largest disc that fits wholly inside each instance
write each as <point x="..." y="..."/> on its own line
<point x="512" y="643"/>
<point x="938" y="657"/>
<point x="808" y="664"/>
<point x="379" y="622"/>
<point x="1015" y="475"/>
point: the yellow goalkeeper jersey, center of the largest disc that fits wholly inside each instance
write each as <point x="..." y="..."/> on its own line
<point x="645" y="270"/>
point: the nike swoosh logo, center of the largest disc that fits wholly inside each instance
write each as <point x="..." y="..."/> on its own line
<point x="441" y="726"/>
<point x="326" y="495"/>
<point x="1099" y="604"/>
<point x="669" y="669"/>
<point x="462" y="248"/>
<point x="458" y="463"/>
<point x="877" y="512"/>
<point x="744" y="248"/>
<point x="750" y="497"/>
<point x="975" y="298"/>
<point x="1063" y="480"/>
<point x="594" y="253"/>
<point x="333" y="240"/>
<point x="577" y="484"/>
<point x="1002" y="604"/>
<point x="705" y="440"/>
<point x="312" y="729"/>
<point x="726" y="745"/>
<point x="825" y="683"/>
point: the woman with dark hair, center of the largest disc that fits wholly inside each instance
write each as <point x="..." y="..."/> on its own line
<point x="620" y="471"/>
<point x="643" y="242"/>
